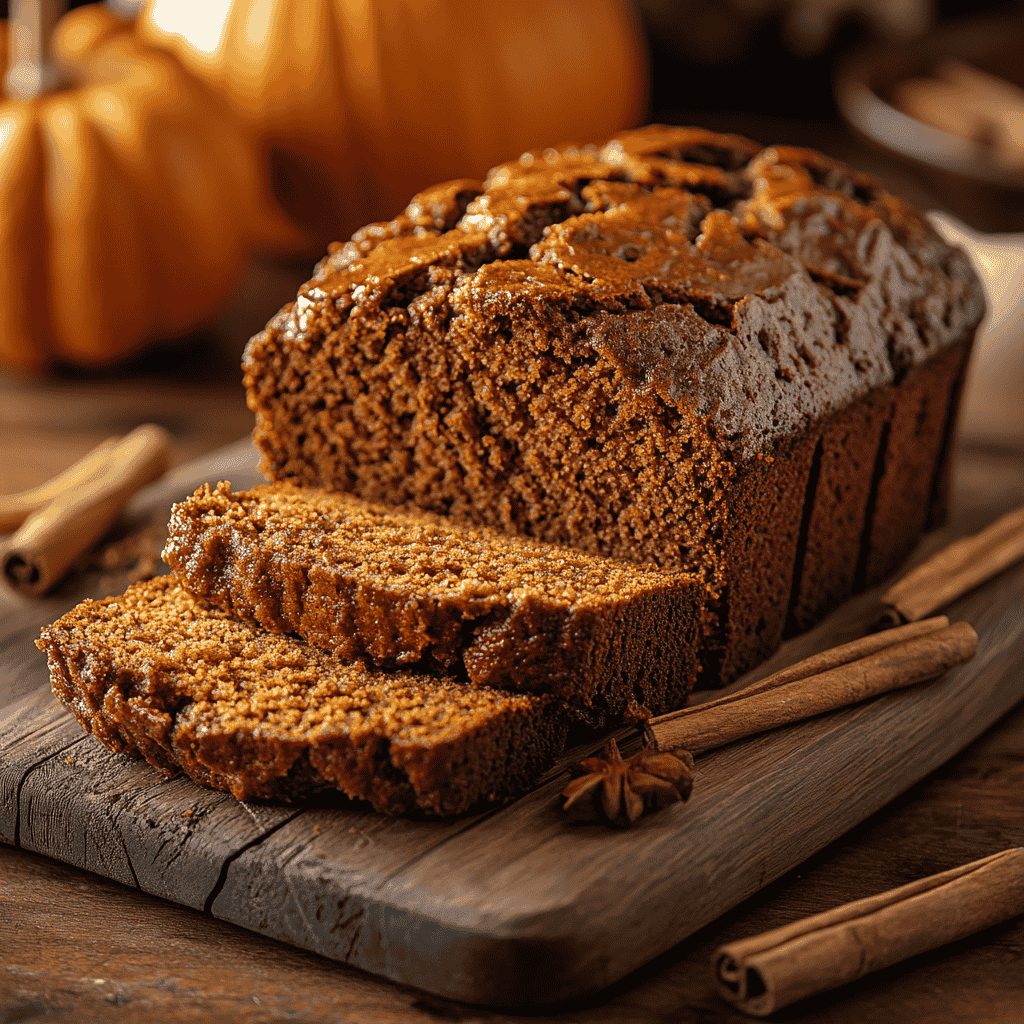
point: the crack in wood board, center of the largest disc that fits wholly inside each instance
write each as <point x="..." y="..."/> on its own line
<point x="32" y="732"/>
<point x="218" y="886"/>
<point x="176" y="836"/>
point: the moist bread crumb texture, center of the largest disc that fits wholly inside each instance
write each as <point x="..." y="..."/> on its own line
<point x="155" y="674"/>
<point x="610" y="639"/>
<point x="677" y="349"/>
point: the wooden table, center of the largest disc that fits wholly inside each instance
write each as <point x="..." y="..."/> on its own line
<point x="76" y="947"/>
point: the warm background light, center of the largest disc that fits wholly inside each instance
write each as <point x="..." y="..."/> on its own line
<point x="362" y="103"/>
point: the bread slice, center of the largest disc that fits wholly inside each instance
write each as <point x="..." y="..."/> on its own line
<point x="610" y="639"/>
<point x="156" y="674"/>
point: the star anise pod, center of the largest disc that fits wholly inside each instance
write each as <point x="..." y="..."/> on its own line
<point x="620" y="791"/>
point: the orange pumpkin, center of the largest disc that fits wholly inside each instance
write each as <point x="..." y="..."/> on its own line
<point x="367" y="101"/>
<point x="127" y="201"/>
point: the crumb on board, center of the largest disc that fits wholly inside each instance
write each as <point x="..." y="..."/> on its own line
<point x="186" y="814"/>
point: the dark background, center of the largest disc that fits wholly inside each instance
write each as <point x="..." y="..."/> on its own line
<point x="716" y="56"/>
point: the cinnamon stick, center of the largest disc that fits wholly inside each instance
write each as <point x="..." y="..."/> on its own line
<point x="39" y="554"/>
<point x="16" y="508"/>
<point x="766" y="972"/>
<point x="956" y="569"/>
<point x="842" y="676"/>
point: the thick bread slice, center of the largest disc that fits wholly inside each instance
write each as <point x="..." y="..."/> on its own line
<point x="610" y="639"/>
<point x="155" y="674"/>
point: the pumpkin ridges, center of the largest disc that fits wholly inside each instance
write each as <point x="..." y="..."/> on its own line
<point x="244" y="76"/>
<point x="172" y="98"/>
<point x="99" y="289"/>
<point x="366" y="89"/>
<point x="313" y="46"/>
<point x="326" y="183"/>
<point x="172" y="223"/>
<point x="369" y="94"/>
<point x="317" y="187"/>
<point x="101" y="248"/>
<point x="479" y="116"/>
<point x="25" y="329"/>
<point x="193" y="203"/>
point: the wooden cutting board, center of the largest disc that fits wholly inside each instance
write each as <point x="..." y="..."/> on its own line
<point x="516" y="905"/>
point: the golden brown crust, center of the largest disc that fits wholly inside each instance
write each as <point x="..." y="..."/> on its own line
<point x="154" y="674"/>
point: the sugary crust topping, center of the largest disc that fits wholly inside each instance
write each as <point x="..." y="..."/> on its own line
<point x="711" y="252"/>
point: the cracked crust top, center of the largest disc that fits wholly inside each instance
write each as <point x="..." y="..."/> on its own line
<point x="757" y="289"/>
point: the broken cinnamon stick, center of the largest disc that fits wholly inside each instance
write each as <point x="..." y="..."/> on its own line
<point x="956" y="569"/>
<point x="80" y="511"/>
<point x="834" y="679"/>
<point x="766" y="972"/>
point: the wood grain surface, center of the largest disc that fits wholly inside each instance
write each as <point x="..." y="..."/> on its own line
<point x="81" y="948"/>
<point x="515" y="905"/>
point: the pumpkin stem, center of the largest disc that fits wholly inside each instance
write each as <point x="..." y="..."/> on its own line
<point x="31" y="71"/>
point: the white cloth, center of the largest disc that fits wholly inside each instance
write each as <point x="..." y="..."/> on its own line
<point x="994" y="400"/>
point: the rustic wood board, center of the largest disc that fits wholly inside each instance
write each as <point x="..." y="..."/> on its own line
<point x="511" y="906"/>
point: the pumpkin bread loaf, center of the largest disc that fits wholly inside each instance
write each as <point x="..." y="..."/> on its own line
<point x="156" y="674"/>
<point x="678" y="348"/>
<point x="611" y="640"/>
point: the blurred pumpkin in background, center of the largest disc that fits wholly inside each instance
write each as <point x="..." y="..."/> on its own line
<point x="362" y="103"/>
<point x="128" y="201"/>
